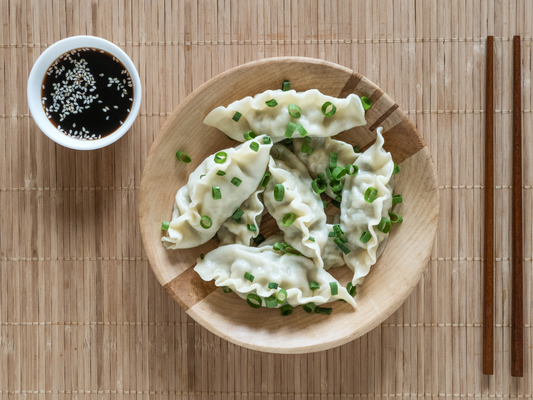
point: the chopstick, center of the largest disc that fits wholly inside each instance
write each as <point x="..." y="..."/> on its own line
<point x="488" y="264"/>
<point x="517" y="333"/>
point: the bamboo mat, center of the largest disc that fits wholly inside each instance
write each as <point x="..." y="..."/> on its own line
<point x="81" y="313"/>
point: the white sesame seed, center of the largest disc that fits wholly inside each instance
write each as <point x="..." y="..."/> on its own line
<point x="107" y="117"/>
<point x="115" y="106"/>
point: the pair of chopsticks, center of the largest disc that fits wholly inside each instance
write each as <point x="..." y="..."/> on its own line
<point x="517" y="326"/>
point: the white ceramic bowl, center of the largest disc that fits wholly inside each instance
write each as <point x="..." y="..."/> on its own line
<point x="36" y="79"/>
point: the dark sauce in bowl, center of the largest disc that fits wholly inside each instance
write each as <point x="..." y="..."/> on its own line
<point x="87" y="93"/>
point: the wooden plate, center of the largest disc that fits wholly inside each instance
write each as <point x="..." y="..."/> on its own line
<point x="390" y="281"/>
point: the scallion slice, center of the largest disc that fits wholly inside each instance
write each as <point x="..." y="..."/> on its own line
<point x="308" y="140"/>
<point x="334" y="288"/>
<point x="286" y="310"/>
<point x="282" y="296"/>
<point x="259" y="239"/>
<point x="352" y="289"/>
<point x="272" y="285"/>
<point x="271" y="103"/>
<point x="311" y="238"/>
<point x="236" y="181"/>
<point x="395" y="218"/>
<point x="226" y="289"/>
<point x="287" y="142"/>
<point x="277" y="246"/>
<point x="331" y="112"/>
<point x="337" y="230"/>
<point x="249" y="135"/>
<point x="336" y="187"/>
<point x="183" y="157"/>
<point x="307" y="149"/>
<point x="342" y="246"/>
<point x="319" y="185"/>
<point x="248" y="276"/>
<point x="367" y="103"/>
<point x="396" y="169"/>
<point x="165" y="225"/>
<point x="356" y="149"/>
<point x="343" y="239"/>
<point x="352" y="169"/>
<point x="237" y="214"/>
<point x="332" y="234"/>
<point x="221" y="157"/>
<point x="237" y="116"/>
<point x="205" y="222"/>
<point x="301" y="130"/>
<point x="251" y="227"/>
<point x="220" y="173"/>
<point x="215" y="191"/>
<point x="291" y="126"/>
<point x="384" y="225"/>
<point x="295" y="111"/>
<point x="338" y="173"/>
<point x="279" y="192"/>
<point x="267" y="140"/>
<point x="365" y="237"/>
<point x="201" y="176"/>
<point x="333" y="160"/>
<point x="342" y="300"/>
<point x="292" y="251"/>
<point x="371" y="194"/>
<point x="254" y="146"/>
<point x="286" y="86"/>
<point x="202" y="256"/>
<point x="288" y="219"/>
<point x="397" y="199"/>
<point x="324" y="203"/>
<point x="254" y="300"/>
<point x="271" y="301"/>
<point x="314" y="285"/>
<point x="265" y="180"/>
<point x="309" y="307"/>
<point x="323" y="310"/>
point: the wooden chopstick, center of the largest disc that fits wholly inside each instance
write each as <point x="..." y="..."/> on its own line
<point x="488" y="264"/>
<point x="517" y="333"/>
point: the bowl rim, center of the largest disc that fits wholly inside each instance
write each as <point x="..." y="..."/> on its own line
<point x="35" y="80"/>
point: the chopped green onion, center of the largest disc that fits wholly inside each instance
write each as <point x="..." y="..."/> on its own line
<point x="271" y="301"/>
<point x="265" y="180"/>
<point x="342" y="246"/>
<point x="220" y="173"/>
<point x="308" y="140"/>
<point x="395" y="218"/>
<point x="249" y="276"/>
<point x="314" y="285"/>
<point x="254" y="146"/>
<point x="324" y="203"/>
<point x="352" y="169"/>
<point x="286" y="86"/>
<point x="254" y="300"/>
<point x="271" y="103"/>
<point x="249" y="135"/>
<point x="165" y="225"/>
<point x="292" y="251"/>
<point x="236" y="181"/>
<point x="215" y="190"/>
<point x="319" y="185"/>
<point x="287" y="141"/>
<point x="342" y="300"/>
<point x="282" y="296"/>
<point x="323" y="310"/>
<point x="288" y="219"/>
<point x="356" y="149"/>
<point x="201" y="176"/>
<point x="371" y="194"/>
<point x="336" y="203"/>
<point x="397" y="198"/>
<point x="328" y="174"/>
<point x="279" y="192"/>
<point x="286" y="310"/>
<point x="338" y="173"/>
<point x="252" y="227"/>
<point x="294" y="111"/>
<point x="365" y="237"/>
<point x="396" y="169"/>
<point x="278" y="246"/>
<point x="237" y="214"/>
<point x="207" y="224"/>
<point x="309" y="307"/>
<point x="300" y="128"/>
<point x="267" y="140"/>
<point x="384" y="225"/>
<point x="332" y="234"/>
<point x="183" y="157"/>
<point x="333" y="160"/>
<point x="338" y="231"/>
<point x="307" y="149"/>
<point x="226" y="289"/>
<point x="334" y="288"/>
<point x="221" y="157"/>
<point x="291" y="126"/>
<point x="272" y="285"/>
<point x="311" y="238"/>
<point x="367" y="103"/>
<point x="336" y="187"/>
<point x="331" y="112"/>
<point x="202" y="256"/>
<point x="259" y="239"/>
<point x="339" y="199"/>
<point x="352" y="289"/>
<point x="237" y="116"/>
<point x="343" y="239"/>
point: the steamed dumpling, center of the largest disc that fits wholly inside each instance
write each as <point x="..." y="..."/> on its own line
<point x="258" y="117"/>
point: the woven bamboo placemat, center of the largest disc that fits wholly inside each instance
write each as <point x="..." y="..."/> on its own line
<point x="81" y="313"/>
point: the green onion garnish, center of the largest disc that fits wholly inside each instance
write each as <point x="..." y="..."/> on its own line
<point x="287" y="141"/>
<point x="278" y="246"/>
<point x="183" y="157"/>
<point x="309" y="307"/>
<point x="202" y="256"/>
<point x="395" y="218"/>
<point x="342" y="246"/>
<point x="279" y="192"/>
<point x="343" y="240"/>
<point x="220" y="173"/>
<point x="288" y="219"/>
<point x="396" y="169"/>
<point x="259" y="239"/>
<point x="249" y="276"/>
<point x="311" y="238"/>
<point x="295" y="111"/>
<point x="352" y="289"/>
<point x="319" y="185"/>
<point x="367" y="103"/>
<point x="292" y="251"/>
<point x="352" y="169"/>
<point x="307" y="149"/>
<point x="356" y="149"/>
<point x="237" y="214"/>
<point x="334" y="288"/>
<point x="397" y="198"/>
<point x="338" y="231"/>
<point x="251" y="227"/>
<point x="271" y="103"/>
<point x="267" y="140"/>
<point x="308" y="140"/>
<point x="342" y="300"/>
<point x="336" y="203"/>
<point x="207" y="224"/>
<point x="272" y="285"/>
<point x="338" y="173"/>
<point x="226" y="289"/>
<point x="324" y="203"/>
<point x="286" y="310"/>
<point x="215" y="190"/>
<point x="301" y="130"/>
<point x="249" y="135"/>
<point x="165" y="225"/>
<point x="286" y="86"/>
<point x="384" y="225"/>
<point x="254" y="146"/>
<point x="265" y="180"/>
<point x="336" y="187"/>
<point x="221" y="157"/>
<point x="271" y="301"/>
<point x="333" y="160"/>
<point x="236" y="181"/>
<point x="237" y="116"/>
<point x="371" y="194"/>
<point x="291" y="126"/>
<point x="331" y="112"/>
<point x="332" y="234"/>
<point x="254" y="300"/>
<point x="365" y="237"/>
<point x="314" y="285"/>
<point x="201" y="176"/>
<point x="323" y="310"/>
<point x="339" y="199"/>
<point x="282" y="296"/>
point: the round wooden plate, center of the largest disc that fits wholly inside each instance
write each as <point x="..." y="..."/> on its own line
<point x="390" y="281"/>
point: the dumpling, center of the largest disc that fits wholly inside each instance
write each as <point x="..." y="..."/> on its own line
<point x="228" y="264"/>
<point x="237" y="177"/>
<point x="299" y="202"/>
<point x="236" y="231"/>
<point x="357" y="215"/>
<point x="257" y="116"/>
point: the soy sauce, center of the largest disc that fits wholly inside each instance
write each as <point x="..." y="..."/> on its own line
<point x="87" y="93"/>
